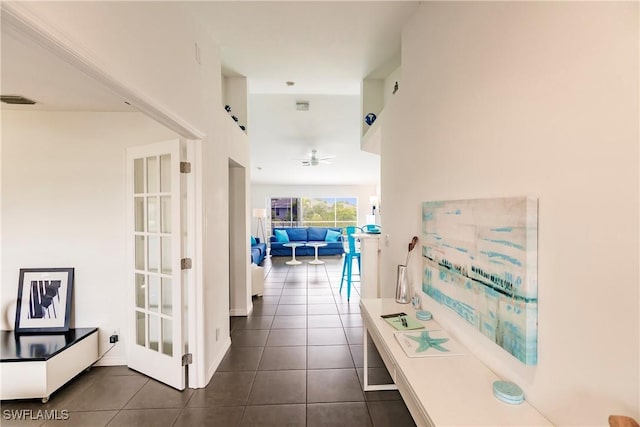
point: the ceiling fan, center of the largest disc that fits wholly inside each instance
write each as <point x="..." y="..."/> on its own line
<point x="314" y="160"/>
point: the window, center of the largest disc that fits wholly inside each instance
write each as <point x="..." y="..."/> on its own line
<point x="314" y="212"/>
<point x="284" y="212"/>
<point x="329" y="212"/>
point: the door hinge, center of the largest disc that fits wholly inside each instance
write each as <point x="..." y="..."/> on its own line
<point x="185" y="167"/>
<point x="185" y="264"/>
<point x="187" y="359"/>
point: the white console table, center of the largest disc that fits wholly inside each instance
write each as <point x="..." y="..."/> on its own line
<point x="441" y="391"/>
<point x="35" y="366"/>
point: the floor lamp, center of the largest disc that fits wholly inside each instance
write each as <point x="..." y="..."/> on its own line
<point x="260" y="213"/>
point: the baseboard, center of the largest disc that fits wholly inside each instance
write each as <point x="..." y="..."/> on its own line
<point x="216" y="362"/>
<point x="111" y="361"/>
<point x="238" y="312"/>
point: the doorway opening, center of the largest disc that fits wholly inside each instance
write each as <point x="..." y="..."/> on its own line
<point x="239" y="294"/>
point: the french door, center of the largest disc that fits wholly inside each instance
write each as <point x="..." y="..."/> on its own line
<point x="156" y="281"/>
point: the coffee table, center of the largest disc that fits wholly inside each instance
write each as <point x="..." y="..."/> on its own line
<point x="316" y="245"/>
<point x="293" y="247"/>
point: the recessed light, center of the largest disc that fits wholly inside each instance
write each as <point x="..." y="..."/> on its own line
<point x="290" y="83"/>
<point x="127" y="102"/>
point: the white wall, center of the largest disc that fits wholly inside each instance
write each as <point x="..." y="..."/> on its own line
<point x="149" y="46"/>
<point x="540" y="99"/>
<point x="261" y="193"/>
<point x="372" y="99"/>
<point x="390" y="82"/>
<point x="239" y="193"/>
<point x="64" y="205"/>
<point x="234" y="94"/>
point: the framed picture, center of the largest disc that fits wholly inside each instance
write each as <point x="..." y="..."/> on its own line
<point x="480" y="260"/>
<point x="44" y="300"/>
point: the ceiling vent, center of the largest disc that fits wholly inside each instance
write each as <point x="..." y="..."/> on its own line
<point x="302" y="105"/>
<point x="16" y="99"/>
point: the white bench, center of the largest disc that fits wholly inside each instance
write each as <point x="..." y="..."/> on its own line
<point x="35" y="366"/>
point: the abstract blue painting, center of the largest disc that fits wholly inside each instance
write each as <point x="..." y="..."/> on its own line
<point x="480" y="260"/>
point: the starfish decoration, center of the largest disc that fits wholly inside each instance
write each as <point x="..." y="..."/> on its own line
<point x="427" y="342"/>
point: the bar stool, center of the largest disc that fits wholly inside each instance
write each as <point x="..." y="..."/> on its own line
<point x="349" y="256"/>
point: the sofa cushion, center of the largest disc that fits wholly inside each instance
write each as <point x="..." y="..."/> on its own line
<point x="281" y="236"/>
<point x="253" y="241"/>
<point x="258" y="252"/>
<point x="297" y="234"/>
<point x="316" y="234"/>
<point x="332" y="236"/>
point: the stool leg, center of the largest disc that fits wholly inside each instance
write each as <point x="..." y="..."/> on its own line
<point x="349" y="271"/>
<point x="344" y="267"/>
<point x="359" y="268"/>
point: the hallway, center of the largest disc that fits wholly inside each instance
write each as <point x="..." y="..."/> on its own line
<point x="297" y="360"/>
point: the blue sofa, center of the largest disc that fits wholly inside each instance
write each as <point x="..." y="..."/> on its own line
<point x="304" y="235"/>
<point x="258" y="252"/>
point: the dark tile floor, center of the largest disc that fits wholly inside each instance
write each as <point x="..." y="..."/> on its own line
<point x="295" y="361"/>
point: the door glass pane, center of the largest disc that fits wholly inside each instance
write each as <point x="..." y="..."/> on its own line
<point x="139" y="252"/>
<point x="154" y="332"/>
<point x="165" y="173"/>
<point x="139" y="213"/>
<point x="152" y="215"/>
<point x="140" y="329"/>
<point x="154" y="254"/>
<point x="167" y="337"/>
<point x="166" y="255"/>
<point x="165" y="214"/>
<point x="154" y="293"/>
<point x="167" y="302"/>
<point x="138" y="176"/>
<point x="140" y="290"/>
<point x="152" y="175"/>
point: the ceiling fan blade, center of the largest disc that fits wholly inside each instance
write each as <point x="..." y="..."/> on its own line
<point x="306" y="163"/>
<point x="327" y="158"/>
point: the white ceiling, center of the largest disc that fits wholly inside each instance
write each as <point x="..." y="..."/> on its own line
<point x="305" y="40"/>
<point x="281" y="137"/>
<point x="35" y="73"/>
<point x="327" y="48"/>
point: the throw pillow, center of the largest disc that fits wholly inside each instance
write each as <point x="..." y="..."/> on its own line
<point x="253" y="241"/>
<point x="281" y="236"/>
<point x="332" y="236"/>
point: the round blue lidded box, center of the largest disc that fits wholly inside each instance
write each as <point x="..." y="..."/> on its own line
<point x="423" y="315"/>
<point x="508" y="392"/>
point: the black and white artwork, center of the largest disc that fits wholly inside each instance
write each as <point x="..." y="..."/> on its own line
<point x="44" y="300"/>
